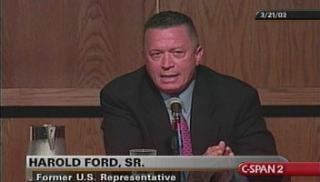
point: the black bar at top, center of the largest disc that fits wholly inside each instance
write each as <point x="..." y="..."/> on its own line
<point x="95" y="111"/>
<point x="288" y="15"/>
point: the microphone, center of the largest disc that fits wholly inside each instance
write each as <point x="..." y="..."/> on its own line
<point x="176" y="141"/>
<point x="175" y="104"/>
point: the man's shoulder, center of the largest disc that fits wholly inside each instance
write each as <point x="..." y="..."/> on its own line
<point x="223" y="83"/>
<point x="130" y="77"/>
<point x="126" y="83"/>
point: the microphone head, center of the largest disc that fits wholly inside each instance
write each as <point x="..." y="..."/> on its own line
<point x="175" y="104"/>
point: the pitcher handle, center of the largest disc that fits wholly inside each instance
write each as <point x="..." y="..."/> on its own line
<point x="51" y="130"/>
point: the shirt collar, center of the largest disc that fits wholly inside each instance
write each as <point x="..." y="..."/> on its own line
<point x="185" y="96"/>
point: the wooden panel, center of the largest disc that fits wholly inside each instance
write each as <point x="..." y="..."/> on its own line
<point x="51" y="97"/>
<point x="267" y="54"/>
<point x="290" y="96"/>
<point x="74" y="43"/>
<point x="90" y="97"/>
<point x="1" y="152"/>
<point x="86" y="43"/>
<point x="83" y="136"/>
<point x="298" y="139"/>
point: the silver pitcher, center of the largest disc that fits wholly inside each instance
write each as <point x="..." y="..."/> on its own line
<point x="47" y="140"/>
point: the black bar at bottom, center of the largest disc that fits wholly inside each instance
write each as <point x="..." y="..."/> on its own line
<point x="291" y="111"/>
<point x="50" y="111"/>
<point x="93" y="111"/>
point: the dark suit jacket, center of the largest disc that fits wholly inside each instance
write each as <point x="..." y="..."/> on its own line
<point x="223" y="108"/>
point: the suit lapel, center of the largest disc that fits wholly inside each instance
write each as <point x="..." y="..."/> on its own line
<point x="156" y="116"/>
<point x="204" y="126"/>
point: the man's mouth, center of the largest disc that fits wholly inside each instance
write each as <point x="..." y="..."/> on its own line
<point x="169" y="77"/>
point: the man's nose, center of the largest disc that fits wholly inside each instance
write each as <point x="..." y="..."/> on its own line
<point x="167" y="62"/>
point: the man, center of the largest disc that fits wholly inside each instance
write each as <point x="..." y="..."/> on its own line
<point x="222" y="113"/>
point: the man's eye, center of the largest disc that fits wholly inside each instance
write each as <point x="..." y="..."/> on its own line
<point x="178" y="53"/>
<point x="155" y="55"/>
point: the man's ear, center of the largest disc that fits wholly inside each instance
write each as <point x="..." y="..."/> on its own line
<point x="198" y="54"/>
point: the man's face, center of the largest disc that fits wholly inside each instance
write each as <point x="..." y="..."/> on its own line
<point x="171" y="57"/>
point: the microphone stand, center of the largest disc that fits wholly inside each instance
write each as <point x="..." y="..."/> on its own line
<point x="178" y="138"/>
<point x="176" y="144"/>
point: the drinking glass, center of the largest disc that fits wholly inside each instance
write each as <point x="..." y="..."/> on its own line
<point x="143" y="152"/>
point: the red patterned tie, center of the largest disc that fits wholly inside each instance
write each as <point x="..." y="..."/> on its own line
<point x="186" y="138"/>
